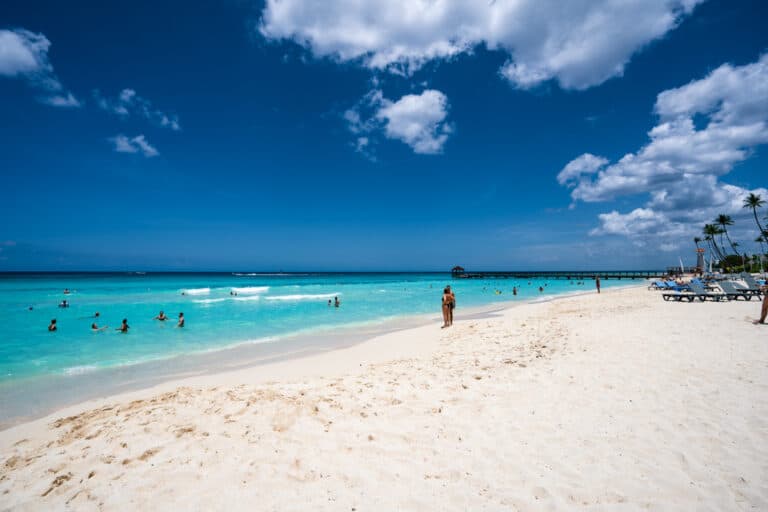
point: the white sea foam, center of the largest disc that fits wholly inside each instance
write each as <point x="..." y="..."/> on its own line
<point x="208" y="301"/>
<point x="251" y="290"/>
<point x="303" y="297"/>
<point x="197" y="291"/>
<point x="250" y="297"/>
<point x="79" y="370"/>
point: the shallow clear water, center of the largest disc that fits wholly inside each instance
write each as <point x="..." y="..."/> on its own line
<point x="266" y="308"/>
<point x="272" y="317"/>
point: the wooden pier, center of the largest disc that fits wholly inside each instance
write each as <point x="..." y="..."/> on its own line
<point x="567" y="275"/>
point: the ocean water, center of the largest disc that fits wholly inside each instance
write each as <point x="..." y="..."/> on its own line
<point x="267" y="310"/>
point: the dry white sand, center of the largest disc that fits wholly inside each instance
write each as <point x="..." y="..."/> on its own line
<point x="599" y="402"/>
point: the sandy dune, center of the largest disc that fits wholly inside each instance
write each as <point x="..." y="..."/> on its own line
<point x="599" y="402"/>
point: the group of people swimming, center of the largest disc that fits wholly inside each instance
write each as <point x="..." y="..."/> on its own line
<point x="124" y="327"/>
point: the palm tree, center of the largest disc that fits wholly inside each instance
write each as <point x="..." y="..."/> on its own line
<point x="760" y="240"/>
<point x="754" y="201"/>
<point x="726" y="220"/>
<point x="710" y="231"/>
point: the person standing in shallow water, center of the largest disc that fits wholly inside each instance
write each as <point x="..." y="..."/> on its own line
<point x="597" y="283"/>
<point x="124" y="327"/>
<point x="181" y="320"/>
<point x="52" y="326"/>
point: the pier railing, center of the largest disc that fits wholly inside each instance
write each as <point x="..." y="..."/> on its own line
<point x="568" y="275"/>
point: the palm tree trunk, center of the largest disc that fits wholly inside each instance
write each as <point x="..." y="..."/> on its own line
<point x="720" y="252"/>
<point x="754" y="212"/>
<point x="722" y="245"/>
<point x="731" y="243"/>
<point x="713" y="248"/>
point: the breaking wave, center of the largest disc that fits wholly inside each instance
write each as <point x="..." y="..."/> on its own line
<point x="303" y="297"/>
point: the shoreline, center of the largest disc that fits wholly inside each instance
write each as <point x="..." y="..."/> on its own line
<point x="70" y="390"/>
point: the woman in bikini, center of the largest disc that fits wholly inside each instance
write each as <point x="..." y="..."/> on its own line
<point x="447" y="300"/>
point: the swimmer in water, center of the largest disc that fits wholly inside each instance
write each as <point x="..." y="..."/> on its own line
<point x="96" y="328"/>
<point x="64" y="304"/>
<point x="66" y="291"/>
<point x="161" y="316"/>
<point x="181" y="320"/>
<point x="52" y="325"/>
<point x="336" y="302"/>
<point x="124" y="327"/>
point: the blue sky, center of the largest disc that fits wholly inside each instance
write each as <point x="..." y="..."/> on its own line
<point x="378" y="135"/>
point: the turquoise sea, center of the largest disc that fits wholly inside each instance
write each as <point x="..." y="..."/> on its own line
<point x="223" y="311"/>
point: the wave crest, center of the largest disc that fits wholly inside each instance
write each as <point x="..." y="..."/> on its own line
<point x="249" y="290"/>
<point x="197" y="291"/>
<point x="303" y="296"/>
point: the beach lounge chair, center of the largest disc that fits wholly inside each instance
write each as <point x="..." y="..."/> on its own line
<point x="672" y="285"/>
<point x="752" y="286"/>
<point x="678" y="296"/>
<point x="658" y="285"/>
<point x="700" y="293"/>
<point x="734" y="293"/>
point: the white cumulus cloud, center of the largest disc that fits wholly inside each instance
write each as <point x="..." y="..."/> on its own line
<point x="419" y="120"/>
<point x="128" y="103"/>
<point x="580" y="43"/>
<point x="705" y="128"/>
<point x="578" y="167"/>
<point x="24" y="54"/>
<point x="137" y="144"/>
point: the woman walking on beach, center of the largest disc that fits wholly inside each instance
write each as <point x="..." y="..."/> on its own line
<point x="447" y="300"/>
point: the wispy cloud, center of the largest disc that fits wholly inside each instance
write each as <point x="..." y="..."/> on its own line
<point x="24" y="55"/>
<point x="129" y="103"/>
<point x="137" y="144"/>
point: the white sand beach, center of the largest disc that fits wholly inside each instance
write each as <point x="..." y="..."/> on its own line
<point x="595" y="402"/>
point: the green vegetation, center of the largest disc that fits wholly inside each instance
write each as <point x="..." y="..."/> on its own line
<point x="735" y="261"/>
